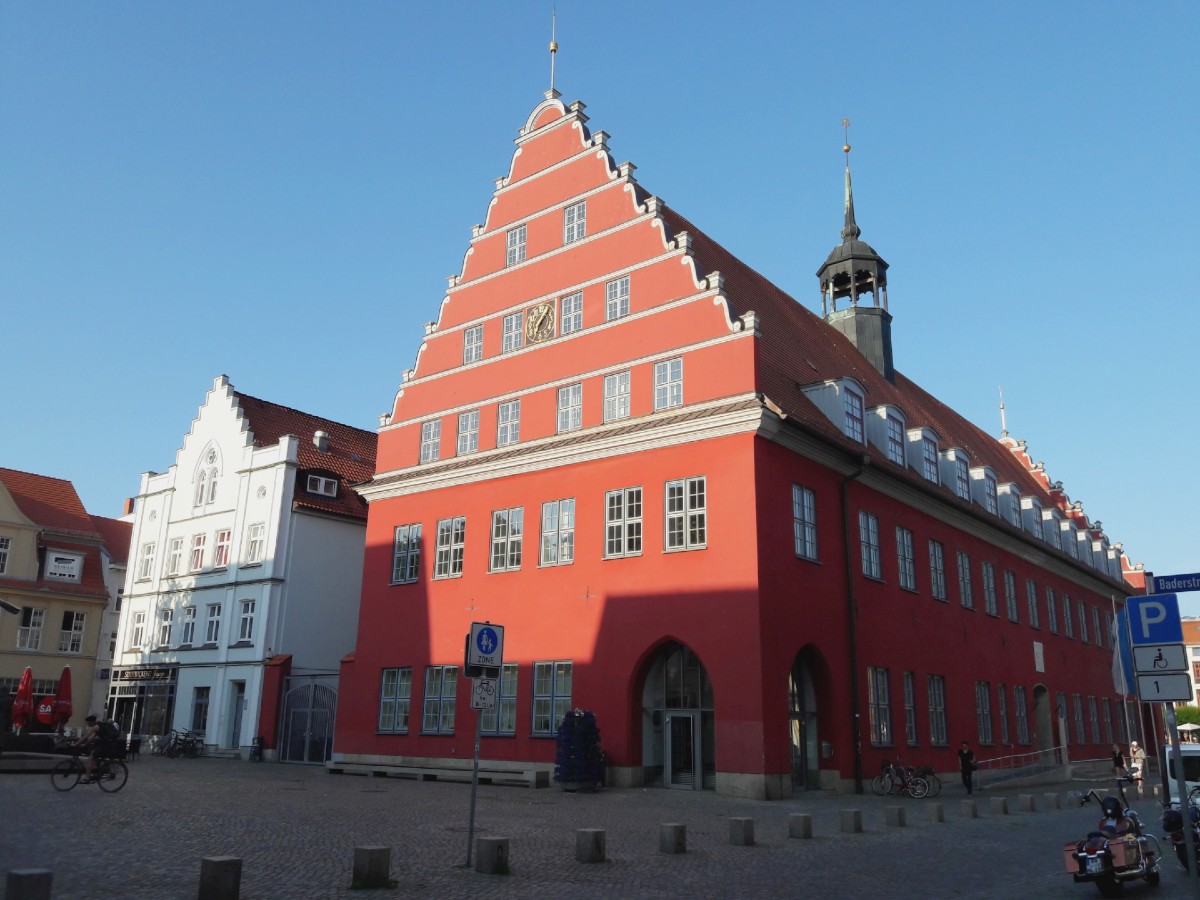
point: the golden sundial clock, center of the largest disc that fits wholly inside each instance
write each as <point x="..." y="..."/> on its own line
<point x="539" y="323"/>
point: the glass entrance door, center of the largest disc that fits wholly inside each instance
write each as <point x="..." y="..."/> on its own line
<point x="683" y="750"/>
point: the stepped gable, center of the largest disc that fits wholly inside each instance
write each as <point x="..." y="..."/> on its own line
<point x="49" y="502"/>
<point x="117" y="536"/>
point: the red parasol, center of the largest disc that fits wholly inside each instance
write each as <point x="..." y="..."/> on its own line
<point x="62" y="700"/>
<point x="22" y="708"/>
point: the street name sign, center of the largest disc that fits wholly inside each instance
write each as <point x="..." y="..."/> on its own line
<point x="1168" y="688"/>
<point x="1154" y="619"/>
<point x="1149" y="659"/>
<point x="1161" y="584"/>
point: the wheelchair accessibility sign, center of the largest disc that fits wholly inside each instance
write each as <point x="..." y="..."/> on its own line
<point x="1150" y="659"/>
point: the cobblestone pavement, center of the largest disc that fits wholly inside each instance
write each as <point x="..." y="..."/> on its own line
<point x="296" y="827"/>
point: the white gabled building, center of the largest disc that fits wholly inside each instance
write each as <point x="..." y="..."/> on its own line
<point x="242" y="591"/>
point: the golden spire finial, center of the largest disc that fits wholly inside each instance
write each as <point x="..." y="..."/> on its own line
<point x="846" y="144"/>
<point x="553" y="43"/>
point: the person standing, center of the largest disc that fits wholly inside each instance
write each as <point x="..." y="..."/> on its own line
<point x="1118" y="761"/>
<point x="967" y="764"/>
<point x="1137" y="762"/>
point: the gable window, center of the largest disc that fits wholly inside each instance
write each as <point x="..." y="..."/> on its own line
<point x="502" y="718"/>
<point x="507" y="530"/>
<point x="905" y="560"/>
<point x="623" y="522"/>
<point x="514" y="328"/>
<point x="910" y="710"/>
<point x="616" y="298"/>
<point x="868" y="539"/>
<point x="852" y="407"/>
<point x="451" y="544"/>
<point x="441" y="689"/>
<point x="616" y="397"/>
<point x="146" y="563"/>
<point x="472" y="344"/>
<point x="989" y="590"/>
<point x="668" y="383"/>
<point x="256" y="543"/>
<point x="206" y="478"/>
<point x="395" y="699"/>
<point x="189" y="626"/>
<point x="570" y="408"/>
<point x="804" y="521"/>
<point x="212" y="626"/>
<point x="166" y="618"/>
<point x="468" y="432"/>
<point x="199" y="542"/>
<point x="936" y="690"/>
<point x="1010" y="594"/>
<point x="406" y="554"/>
<point x="574" y="222"/>
<point x="686" y="514"/>
<point x="70" y="639"/>
<point x="1032" y="603"/>
<point x="572" y="313"/>
<point x="137" y="636"/>
<point x="515" y="246"/>
<point x="879" y="707"/>
<point x="1051" y="610"/>
<point x="246" y="622"/>
<point x="325" y="487"/>
<point x="983" y="710"/>
<point x="964" y="580"/>
<point x="1021" y="711"/>
<point x="937" y="570"/>
<point x="895" y="440"/>
<point x="551" y="696"/>
<point x="508" y="423"/>
<point x="5" y="545"/>
<point x="431" y="440"/>
<point x="221" y="550"/>
<point x="558" y="532"/>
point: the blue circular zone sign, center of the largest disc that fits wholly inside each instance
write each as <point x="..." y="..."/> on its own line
<point x="487" y="641"/>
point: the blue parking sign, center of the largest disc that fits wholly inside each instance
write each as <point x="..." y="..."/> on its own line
<point x="1154" y="619"/>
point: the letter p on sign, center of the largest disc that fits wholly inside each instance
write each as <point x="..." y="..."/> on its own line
<point x="1154" y="619"/>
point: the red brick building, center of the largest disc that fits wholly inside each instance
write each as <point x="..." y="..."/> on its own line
<point x="764" y="558"/>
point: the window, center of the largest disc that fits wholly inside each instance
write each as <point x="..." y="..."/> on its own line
<point x="1067" y="618"/>
<point x="199" y="541"/>
<point x="983" y="710"/>
<point x="502" y="719"/>
<point x="964" y="580"/>
<point x="1014" y="509"/>
<point x="868" y="539"/>
<point x="1099" y="635"/>
<point x="451" y="541"/>
<point x="1002" y="713"/>
<point x="324" y="487"/>
<point x="166" y="618"/>
<point x="514" y="328"/>
<point x="515" y="246"/>
<point x="508" y="423"/>
<point x="60" y="566"/>
<point x="473" y="344"/>
<point x="962" y="478"/>
<point x="623" y="522"/>
<point x="551" y="696"/>
<point x="138" y="637"/>
<point x="1094" y="718"/>
<point x="175" y="556"/>
<point x="1080" y="734"/>
<point x="70" y="639"/>
<point x="929" y="459"/>
<point x="895" y="440"/>
<point x="1032" y="603"/>
<point x="1108" y="729"/>
<point x="1051" y="610"/>
<point x="468" y="432"/>
<point x="989" y="590"/>
<point x="668" y="383"/>
<point x="256" y="543"/>
<point x="558" y="533"/>
<point x="616" y="299"/>
<point x="570" y="408"/>
<point x="431" y="440"/>
<point x="507" y="529"/>
<point x="879" y="707"/>
<point x="441" y="687"/>
<point x="246" y="622"/>
<point x="395" y="699"/>
<point x="221" y="550"/>
<point x="616" y="396"/>
<point x="29" y="631"/>
<point x="1021" y="710"/>
<point x="5" y="545"/>
<point x="1010" y="595"/>
<point x="572" y="313"/>
<point x="937" y="570"/>
<point x="852" y="405"/>
<point x="206" y="479"/>
<point x="200" y="709"/>
<point x="212" y="626"/>
<point x="804" y="521"/>
<point x="406" y="554"/>
<point x="906" y="564"/>
<point x="146" y="562"/>
<point x="189" y="626"/>
<point x="574" y="222"/>
<point x="910" y="711"/>
<point x="990" y="501"/>
<point x="686" y="514"/>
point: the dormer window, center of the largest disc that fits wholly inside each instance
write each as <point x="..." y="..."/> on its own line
<point x="984" y="490"/>
<point x="61" y="566"/>
<point x="1050" y="530"/>
<point x="1067" y="539"/>
<point x="852" y="406"/>
<point x="924" y="444"/>
<point x="885" y="429"/>
<point x="325" y="487"/>
<point x="1010" y="503"/>
<point x="1031" y="514"/>
<point x="956" y="472"/>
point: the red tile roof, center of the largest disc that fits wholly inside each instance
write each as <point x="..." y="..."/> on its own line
<point x="48" y="502"/>
<point x="117" y="535"/>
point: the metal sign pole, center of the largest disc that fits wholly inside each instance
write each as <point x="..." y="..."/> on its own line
<point x="474" y="784"/>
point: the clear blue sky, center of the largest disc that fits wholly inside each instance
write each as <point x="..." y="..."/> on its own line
<point x="277" y="191"/>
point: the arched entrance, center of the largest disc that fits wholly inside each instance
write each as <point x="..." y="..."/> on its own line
<point x="309" y="705"/>
<point x="802" y="724"/>
<point x="1043" y="718"/>
<point x="679" y="749"/>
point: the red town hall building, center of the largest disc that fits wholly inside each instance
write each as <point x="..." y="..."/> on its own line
<point x="763" y="557"/>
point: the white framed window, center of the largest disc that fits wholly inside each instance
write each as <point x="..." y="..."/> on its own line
<point x="5" y="546"/>
<point x="570" y="408"/>
<point x="551" y="695"/>
<point x="1032" y="603"/>
<point x="472" y="344"/>
<point x="906" y="561"/>
<point x="189" y="626"/>
<point x="406" y="554"/>
<point x="246" y="622"/>
<point x="965" y="594"/>
<point x="514" y="251"/>
<point x="935" y="687"/>
<point x="468" y="432"/>
<point x="983" y="711"/>
<point x="207" y="474"/>
<point x="502" y="718"/>
<point x="70" y="639"/>
<point x="623" y="522"/>
<point x="431" y="440"/>
<point x="1002" y="713"/>
<point x="1067" y="618"/>
<point x="146" y="561"/>
<point x="991" y="500"/>
<point x="1010" y="595"/>
<point x="451" y="545"/>
<point x="575" y="222"/>
<point x="224" y="541"/>
<point x="1021" y="712"/>
<point x="508" y="423"/>
<point x="441" y="691"/>
<point x="137" y="635"/>
<point x="868" y="541"/>
<point x="175" y="556"/>
<point x="558" y="532"/>
<point x="937" y="570"/>
<point x="395" y="700"/>
<point x="212" y="624"/>
<point x="616" y="396"/>
<point x="668" y="383"/>
<point x="199" y="542"/>
<point x="852" y="407"/>
<point x="166" y="619"/>
<point x="508" y="527"/>
<point x="1051" y="610"/>
<point x="256" y="543"/>
<point x="686" y="514"/>
<point x="962" y="478"/>
<point x="910" y="711"/>
<point x="804" y="521"/>
<point x="322" y="486"/>
<point x="989" y="590"/>
<point x="616" y="298"/>
<point x="879" y="707"/>
<point x="895" y="440"/>
<point x="929" y="459"/>
<point x="514" y="329"/>
<point x="571" y="317"/>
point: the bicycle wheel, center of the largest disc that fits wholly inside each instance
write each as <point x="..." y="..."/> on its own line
<point x="113" y="776"/>
<point x="935" y="785"/>
<point x="195" y="749"/>
<point x="66" y="775"/>
<point x="881" y="784"/>
<point x="917" y="787"/>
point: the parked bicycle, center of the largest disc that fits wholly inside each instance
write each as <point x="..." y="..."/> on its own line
<point x="110" y="774"/>
<point x="179" y="743"/>
<point x="898" y="779"/>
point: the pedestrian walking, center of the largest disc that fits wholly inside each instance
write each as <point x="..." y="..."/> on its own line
<point x="967" y="764"/>
<point x="1118" y="761"/>
<point x="1137" y="762"/>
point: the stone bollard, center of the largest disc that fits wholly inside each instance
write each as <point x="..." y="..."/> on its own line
<point x="741" y="832"/>
<point x="672" y="837"/>
<point x="1051" y="798"/>
<point x="799" y="825"/>
<point x="1158" y="790"/>
<point x="28" y="884"/>
<point x="589" y="845"/>
<point x="999" y="806"/>
<point x="894" y="816"/>
<point x="220" y="878"/>
<point x="491" y="855"/>
<point x="937" y="813"/>
<point x="851" y="821"/>
<point x="968" y="809"/>
<point x="1027" y="803"/>
<point x="372" y="867"/>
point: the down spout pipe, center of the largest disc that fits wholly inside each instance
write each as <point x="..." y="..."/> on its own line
<point x="860" y="466"/>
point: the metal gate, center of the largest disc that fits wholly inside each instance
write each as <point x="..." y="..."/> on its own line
<point x="309" y="705"/>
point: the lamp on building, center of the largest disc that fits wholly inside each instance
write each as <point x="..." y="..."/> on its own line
<point x="8" y="607"/>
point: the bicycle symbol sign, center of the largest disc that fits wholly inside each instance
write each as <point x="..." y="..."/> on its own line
<point x="486" y="646"/>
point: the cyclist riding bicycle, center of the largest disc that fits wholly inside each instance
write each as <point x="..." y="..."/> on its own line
<point x="90" y="741"/>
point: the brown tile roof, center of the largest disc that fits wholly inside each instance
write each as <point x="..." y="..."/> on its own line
<point x="49" y="502"/>
<point x="117" y="535"/>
